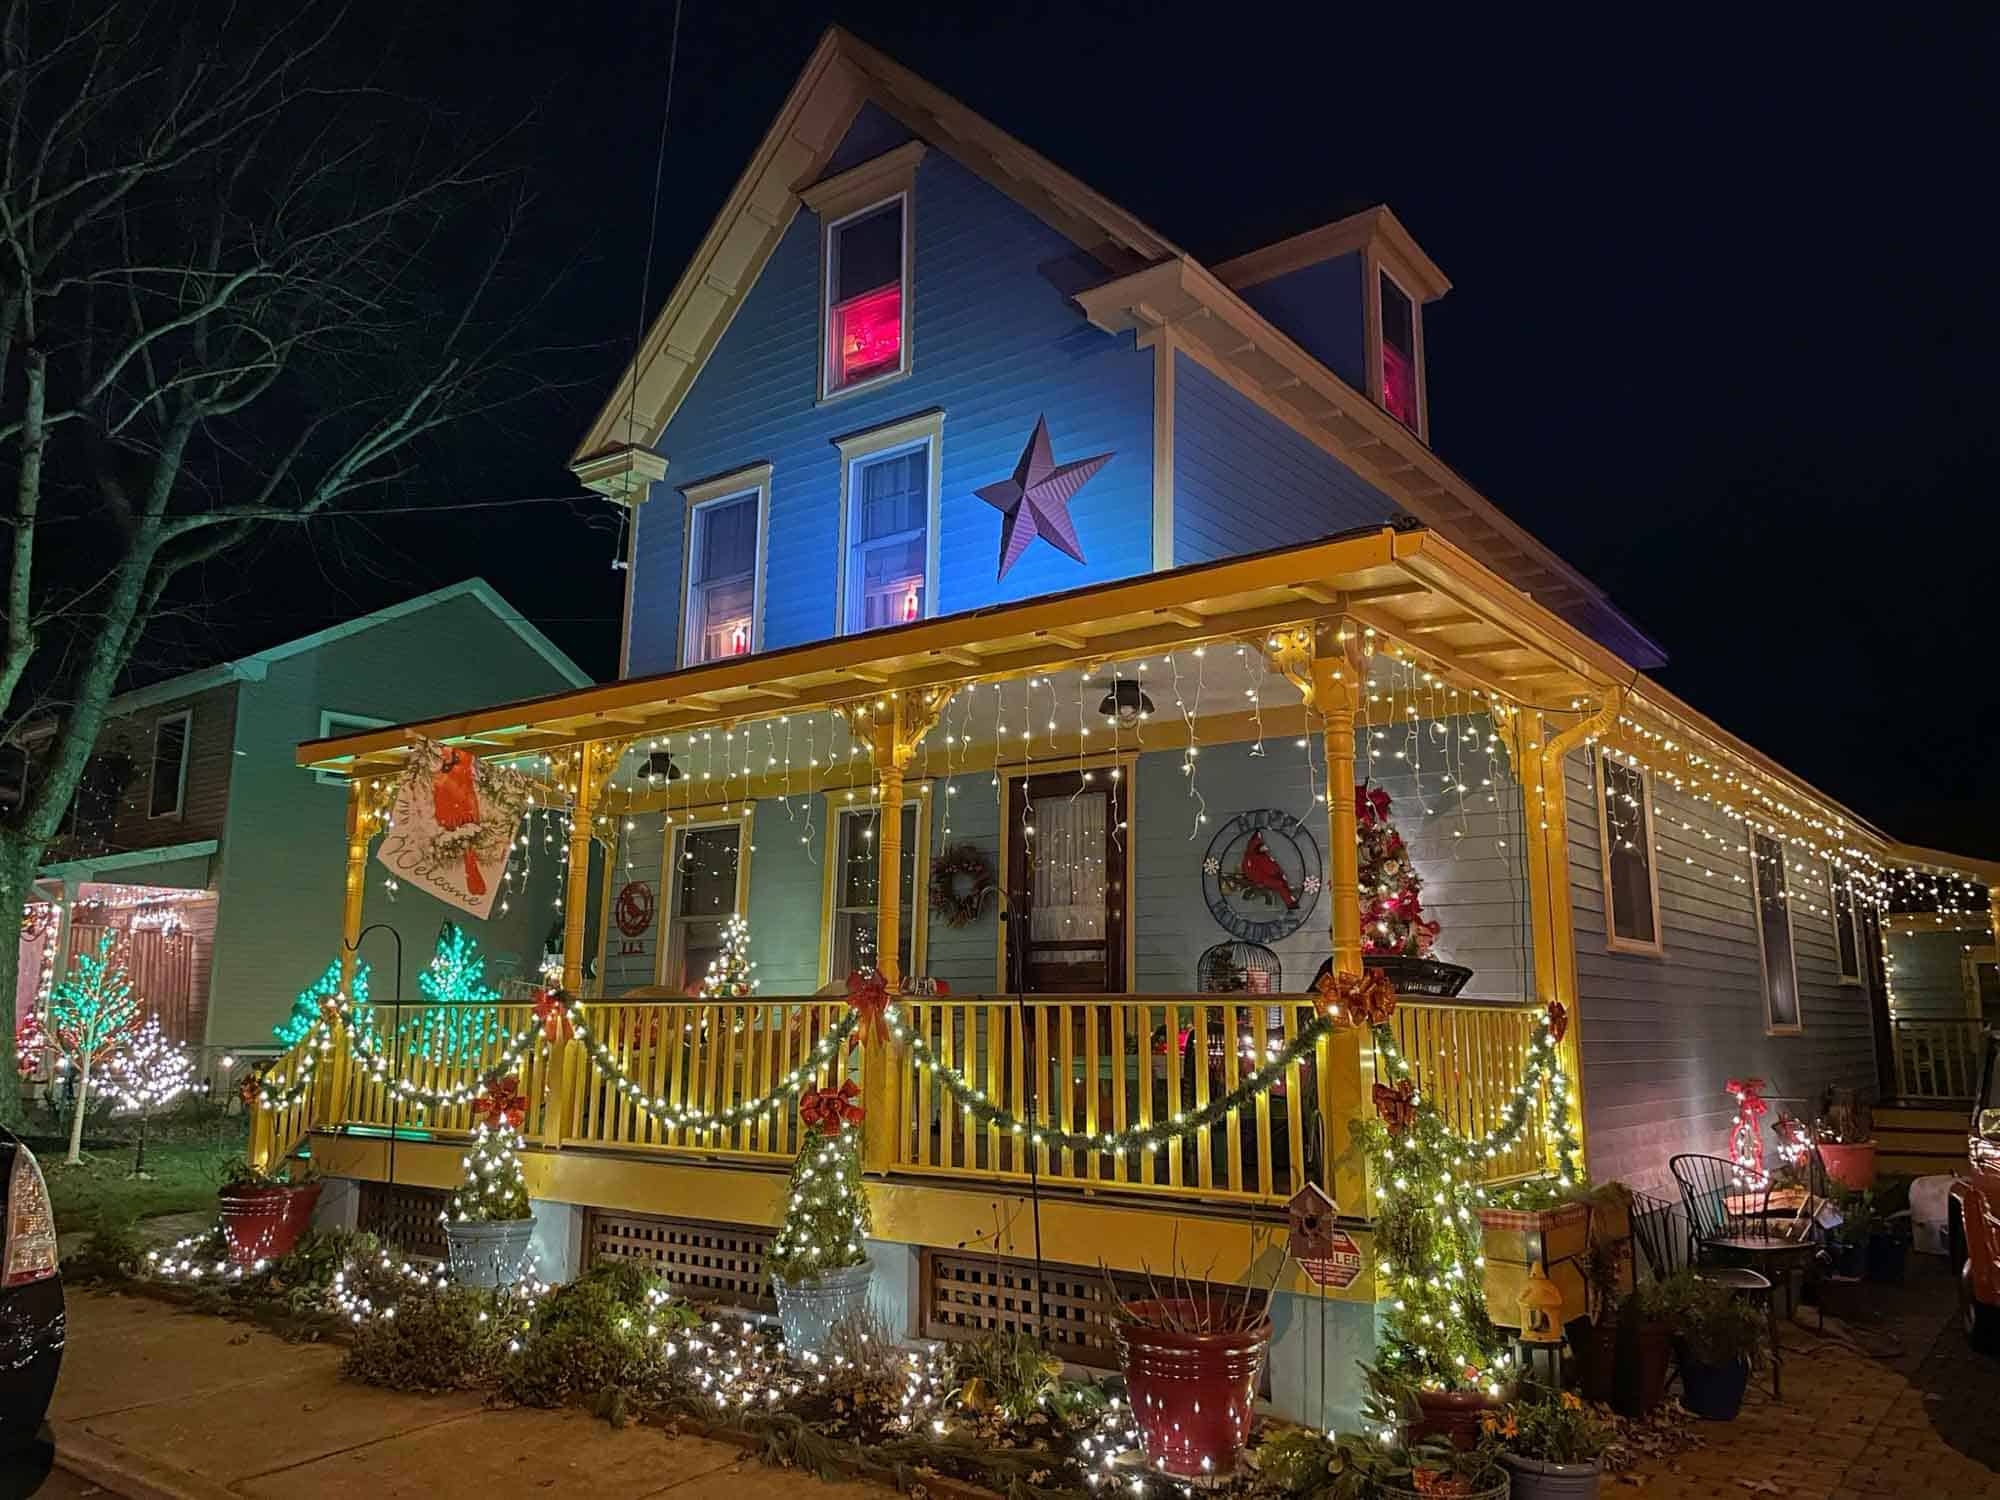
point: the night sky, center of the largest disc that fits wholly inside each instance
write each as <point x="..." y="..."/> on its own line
<point x="1721" y="332"/>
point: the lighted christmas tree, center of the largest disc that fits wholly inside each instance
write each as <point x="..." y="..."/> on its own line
<point x="149" y="1069"/>
<point x="90" y="1012"/>
<point x="461" y="1019"/>
<point x="1392" y="912"/>
<point x="312" y="1002"/>
<point x="31" y="1040"/>
<point x="826" y="1212"/>
<point x="731" y="975"/>
<point x="496" y="1185"/>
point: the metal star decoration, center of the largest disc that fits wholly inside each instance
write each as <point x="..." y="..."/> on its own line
<point x="1036" y="500"/>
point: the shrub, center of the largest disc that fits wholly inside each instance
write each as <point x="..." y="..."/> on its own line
<point x="1712" y="1327"/>
<point x="606" y="1332"/>
<point x="112" y="1253"/>
<point x="1556" y="1428"/>
<point x="430" y="1335"/>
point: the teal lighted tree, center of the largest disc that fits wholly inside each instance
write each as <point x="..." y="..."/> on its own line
<point x="90" y="1012"/>
<point x="461" y="1019"/>
<point x="311" y="1004"/>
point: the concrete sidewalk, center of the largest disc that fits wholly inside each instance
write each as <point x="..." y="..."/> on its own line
<point x="157" y="1402"/>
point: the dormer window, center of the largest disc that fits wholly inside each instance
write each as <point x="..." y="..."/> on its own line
<point x="865" y="258"/>
<point x="1399" y="355"/>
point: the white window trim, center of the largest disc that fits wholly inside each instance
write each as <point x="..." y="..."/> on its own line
<point x="1771" y="1028"/>
<point x="332" y="722"/>
<point x="1833" y="890"/>
<point x="926" y="430"/>
<point x="670" y="887"/>
<point x="186" y="717"/>
<point x="753" y="479"/>
<point x="1612" y="942"/>
<point x="1378" y="267"/>
<point x="847" y="196"/>
<point x="916" y="794"/>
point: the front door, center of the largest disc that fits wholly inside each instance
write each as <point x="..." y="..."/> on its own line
<point x="1067" y="877"/>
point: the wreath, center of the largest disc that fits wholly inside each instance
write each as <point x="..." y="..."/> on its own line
<point x="960" y="880"/>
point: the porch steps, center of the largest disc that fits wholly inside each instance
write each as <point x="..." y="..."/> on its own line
<point x="1919" y="1140"/>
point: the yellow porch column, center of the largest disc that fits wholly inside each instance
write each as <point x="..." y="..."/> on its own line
<point x="588" y="772"/>
<point x="1347" y="1057"/>
<point x="357" y="881"/>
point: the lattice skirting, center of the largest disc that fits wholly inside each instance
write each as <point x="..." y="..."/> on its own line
<point x="404" y="1216"/>
<point x="965" y="1295"/>
<point x="705" y="1260"/>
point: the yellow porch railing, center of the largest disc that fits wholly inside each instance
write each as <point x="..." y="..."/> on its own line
<point x="1468" y="1059"/>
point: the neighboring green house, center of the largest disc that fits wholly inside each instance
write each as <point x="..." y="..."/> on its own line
<point x="197" y="836"/>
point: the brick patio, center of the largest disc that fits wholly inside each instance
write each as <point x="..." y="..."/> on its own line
<point x="1896" y="1405"/>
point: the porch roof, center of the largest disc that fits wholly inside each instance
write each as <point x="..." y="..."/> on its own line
<point x="1416" y="590"/>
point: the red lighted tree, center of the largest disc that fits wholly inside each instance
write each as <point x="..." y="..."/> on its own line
<point x="1392" y="910"/>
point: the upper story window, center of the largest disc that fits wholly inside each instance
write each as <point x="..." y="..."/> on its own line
<point x="725" y="565"/>
<point x="1400" y="395"/>
<point x="866" y="259"/>
<point x="172" y="735"/>
<point x="889" y="506"/>
<point x="1773" y="913"/>
<point x="1846" y="926"/>
<point x="1631" y="879"/>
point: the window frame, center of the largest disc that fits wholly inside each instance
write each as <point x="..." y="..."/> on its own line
<point x="721" y="490"/>
<point x="837" y="201"/>
<point x="331" y="722"/>
<point x="1837" y="891"/>
<point x="924" y="430"/>
<point x="916" y="794"/>
<point x="1613" y="943"/>
<point x="672" y="922"/>
<point x="1771" y="1027"/>
<point x="186" y="718"/>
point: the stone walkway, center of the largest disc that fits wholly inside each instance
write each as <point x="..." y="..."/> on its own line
<point x="1895" y="1404"/>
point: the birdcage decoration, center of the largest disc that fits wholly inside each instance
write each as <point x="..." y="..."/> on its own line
<point x="1239" y="969"/>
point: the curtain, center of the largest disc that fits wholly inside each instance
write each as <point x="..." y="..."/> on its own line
<point x="1068" y="892"/>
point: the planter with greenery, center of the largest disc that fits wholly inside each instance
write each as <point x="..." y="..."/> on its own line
<point x="1845" y="1138"/>
<point x="1307" y="1464"/>
<point x="1552" y="1444"/>
<point x="1644" y="1351"/>
<point x="488" y="1227"/>
<point x="1192" y="1362"/>
<point x="264" y="1213"/>
<point x="818" y="1264"/>
<point x="1719" y="1339"/>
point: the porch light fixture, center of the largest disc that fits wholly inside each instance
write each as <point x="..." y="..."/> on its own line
<point x="1126" y="701"/>
<point x="660" y="768"/>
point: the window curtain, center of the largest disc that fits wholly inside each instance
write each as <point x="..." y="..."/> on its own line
<point x="1068" y="887"/>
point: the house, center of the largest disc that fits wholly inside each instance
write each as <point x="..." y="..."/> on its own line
<point x="195" y="837"/>
<point x="989" y="548"/>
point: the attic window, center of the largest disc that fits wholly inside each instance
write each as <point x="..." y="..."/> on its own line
<point x="1399" y="355"/>
<point x="867" y="284"/>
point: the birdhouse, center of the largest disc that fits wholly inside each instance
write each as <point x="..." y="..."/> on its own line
<point x="1541" y="1303"/>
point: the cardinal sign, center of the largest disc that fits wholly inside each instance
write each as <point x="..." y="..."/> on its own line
<point x="1262" y="875"/>
<point x="454" y="823"/>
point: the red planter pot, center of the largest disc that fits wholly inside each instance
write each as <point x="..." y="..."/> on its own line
<point x="1850" y="1166"/>
<point x="1194" y="1394"/>
<point x="264" y="1223"/>
<point x="1452" y="1414"/>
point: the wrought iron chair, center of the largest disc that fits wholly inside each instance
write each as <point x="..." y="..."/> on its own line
<point x="1731" y="1243"/>
<point x="1655" y="1233"/>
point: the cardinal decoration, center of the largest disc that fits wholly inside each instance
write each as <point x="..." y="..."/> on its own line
<point x="1367" y="999"/>
<point x="1261" y="871"/>
<point x="552" y="1015"/>
<point x="1035" y="501"/>
<point x="453" y="825"/>
<point x="829" y="1109"/>
<point x="1397" y="1106"/>
<point x="502" y="1103"/>
<point x="1558" y="1021"/>
<point x="1746" y="1135"/>
<point x="1392" y="913"/>
<point x="868" y="998"/>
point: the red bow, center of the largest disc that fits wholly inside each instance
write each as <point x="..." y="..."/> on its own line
<point x="251" y="1089"/>
<point x="1397" y="1106"/>
<point x="502" y="1103"/>
<point x="868" y="998"/>
<point x="1558" y="1021"/>
<point x="552" y="1011"/>
<point x="1751" y="1092"/>
<point x="829" y="1109"/>
<point x="1368" y="998"/>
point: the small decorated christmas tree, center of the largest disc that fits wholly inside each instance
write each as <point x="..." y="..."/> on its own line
<point x="1392" y="912"/>
<point x="496" y="1185"/>
<point x="826" y="1211"/>
<point x="732" y="975"/>
<point x="312" y="1001"/>
<point x="461" y="1019"/>
<point x="90" y="1012"/>
<point x="149" y="1069"/>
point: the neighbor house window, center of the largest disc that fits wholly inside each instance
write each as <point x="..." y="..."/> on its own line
<point x="889" y="495"/>
<point x="855" y="878"/>
<point x="171" y="737"/>
<point x="1846" y="926"/>
<point x="1631" y="878"/>
<point x="704" y="887"/>
<point x="866" y="275"/>
<point x="1399" y="355"/>
<point x="1773" y="912"/>
<point x="332" y="726"/>
<point x="725" y="566"/>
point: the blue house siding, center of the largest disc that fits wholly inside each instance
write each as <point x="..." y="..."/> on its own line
<point x="1320" y="307"/>
<point x="996" y="344"/>
<point x="1244" y="481"/>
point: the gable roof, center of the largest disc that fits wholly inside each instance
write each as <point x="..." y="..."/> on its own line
<point x="252" y="668"/>
<point x="616" y="456"/>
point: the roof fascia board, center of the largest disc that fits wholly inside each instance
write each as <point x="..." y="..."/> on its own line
<point x="1377" y="226"/>
<point x="131" y="859"/>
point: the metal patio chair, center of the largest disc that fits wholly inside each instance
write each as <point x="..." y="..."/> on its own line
<point x="1731" y="1241"/>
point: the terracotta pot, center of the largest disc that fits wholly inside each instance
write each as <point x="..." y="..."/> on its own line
<point x="1538" y="1479"/>
<point x="1452" y="1414"/>
<point x="1194" y="1394"/>
<point x="1850" y="1166"/>
<point x="1645" y="1347"/>
<point x="264" y="1223"/>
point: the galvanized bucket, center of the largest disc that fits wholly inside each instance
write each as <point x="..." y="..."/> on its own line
<point x="808" y="1309"/>
<point x="489" y="1254"/>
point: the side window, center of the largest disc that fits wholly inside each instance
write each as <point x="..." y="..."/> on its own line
<point x="1400" y="395"/>
<point x="704" y="886"/>
<point x="854" y="879"/>
<point x="867" y="266"/>
<point x="724" y="574"/>
<point x="1773" y="912"/>
<point x="1846" y="926"/>
<point x="172" y="735"/>
<point x="1631" y="878"/>
<point x="888" y="525"/>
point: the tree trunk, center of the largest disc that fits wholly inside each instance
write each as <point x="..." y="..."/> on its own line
<point x="76" y="1118"/>
<point x="16" y="885"/>
<point x="139" y="1158"/>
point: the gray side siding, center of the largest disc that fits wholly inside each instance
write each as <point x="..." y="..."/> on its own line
<point x="284" y="849"/>
<point x="1244" y="481"/>
<point x="1926" y="969"/>
<point x="1661" y="1036"/>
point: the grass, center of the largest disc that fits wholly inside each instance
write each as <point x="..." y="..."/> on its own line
<point x="181" y="1176"/>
